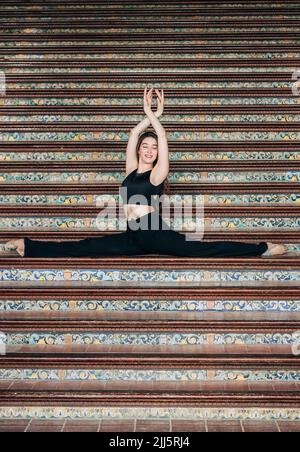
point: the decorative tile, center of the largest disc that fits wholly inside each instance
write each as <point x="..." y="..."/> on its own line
<point x="149" y="305"/>
<point x="222" y="200"/>
<point x="197" y="56"/>
<point x="149" y="339"/>
<point x="126" y="278"/>
<point x="187" y="118"/>
<point x="184" y="225"/>
<point x="178" y="375"/>
<point x="182" y="177"/>
<point x="187" y="156"/>
<point x="119" y="413"/>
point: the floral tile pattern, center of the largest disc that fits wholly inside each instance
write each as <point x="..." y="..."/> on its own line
<point x="149" y="305"/>
<point x="83" y="375"/>
<point x="10" y="137"/>
<point x="159" y="56"/>
<point x="223" y="200"/>
<point x="226" y="414"/>
<point x="153" y="278"/>
<point x="193" y="119"/>
<point x="188" y="156"/>
<point x="182" y="177"/>
<point x="188" y="223"/>
<point x="148" y="339"/>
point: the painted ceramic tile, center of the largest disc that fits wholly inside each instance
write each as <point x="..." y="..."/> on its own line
<point x="186" y="42"/>
<point x="153" y="278"/>
<point x="179" y="375"/>
<point x="99" y="101"/>
<point x="183" y="6"/>
<point x="198" y="57"/>
<point x="194" y="119"/>
<point x="115" y="224"/>
<point x="76" y="31"/>
<point x="7" y="137"/>
<point x="94" y="156"/>
<point x="90" y="413"/>
<point x="223" y="200"/>
<point x="149" y="305"/>
<point x="175" y="177"/>
<point x="200" y="68"/>
<point x="148" y="339"/>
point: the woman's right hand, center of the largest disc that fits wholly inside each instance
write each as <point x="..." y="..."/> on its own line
<point x="148" y="97"/>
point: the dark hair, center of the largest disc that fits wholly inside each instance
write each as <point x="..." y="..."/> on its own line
<point x="166" y="187"/>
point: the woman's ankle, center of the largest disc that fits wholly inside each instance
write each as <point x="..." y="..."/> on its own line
<point x="17" y="246"/>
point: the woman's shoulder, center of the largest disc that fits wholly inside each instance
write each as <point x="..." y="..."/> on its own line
<point x="131" y="173"/>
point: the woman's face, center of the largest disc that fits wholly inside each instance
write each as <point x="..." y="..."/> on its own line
<point x="148" y="151"/>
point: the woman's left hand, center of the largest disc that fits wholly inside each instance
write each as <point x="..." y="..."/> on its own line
<point x="160" y="101"/>
<point x="148" y="96"/>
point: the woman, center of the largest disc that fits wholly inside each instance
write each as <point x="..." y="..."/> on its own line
<point x="147" y="169"/>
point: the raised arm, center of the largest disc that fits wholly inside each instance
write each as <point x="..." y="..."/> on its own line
<point x="161" y="170"/>
<point x="131" y="155"/>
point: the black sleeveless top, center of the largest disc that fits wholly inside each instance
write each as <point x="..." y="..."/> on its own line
<point x="139" y="184"/>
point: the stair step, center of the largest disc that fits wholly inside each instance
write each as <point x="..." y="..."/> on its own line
<point x="63" y="200"/>
<point x="250" y="365"/>
<point x="64" y="118"/>
<point x="172" y="66"/>
<point x="177" y="11"/>
<point x="167" y="46"/>
<point x="116" y="159"/>
<point x="209" y="304"/>
<point x="170" y="30"/>
<point x="100" y="4"/>
<point x="227" y="133"/>
<point x="149" y="272"/>
<point x="78" y="417"/>
<point x="43" y="106"/>
<point x="266" y="224"/>
<point x="181" y="178"/>
<point x="268" y="128"/>
<point x="147" y="334"/>
<point x="211" y="36"/>
<point x="106" y="387"/>
<point x="180" y="189"/>
<point x="28" y="118"/>
<point x="207" y="75"/>
<point x="122" y="355"/>
<point x="91" y="336"/>
<point x="210" y="99"/>
<point x="149" y="21"/>
<point x="135" y="398"/>
<point x="116" y="56"/>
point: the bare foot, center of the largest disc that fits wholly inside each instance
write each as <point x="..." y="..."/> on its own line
<point x="16" y="245"/>
<point x="276" y="249"/>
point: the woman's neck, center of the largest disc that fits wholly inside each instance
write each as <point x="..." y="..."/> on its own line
<point x="143" y="168"/>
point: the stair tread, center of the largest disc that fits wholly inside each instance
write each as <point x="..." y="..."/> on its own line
<point x="157" y="358"/>
<point x="178" y="351"/>
<point x="133" y="387"/>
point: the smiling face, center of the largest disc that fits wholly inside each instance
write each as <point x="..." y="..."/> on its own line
<point x="148" y="151"/>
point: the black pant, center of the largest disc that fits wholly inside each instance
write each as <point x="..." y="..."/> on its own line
<point x="135" y="242"/>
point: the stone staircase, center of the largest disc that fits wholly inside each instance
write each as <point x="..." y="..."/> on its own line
<point x="156" y="339"/>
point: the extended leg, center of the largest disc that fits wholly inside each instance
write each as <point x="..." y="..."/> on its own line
<point x="113" y="245"/>
<point x="175" y="244"/>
